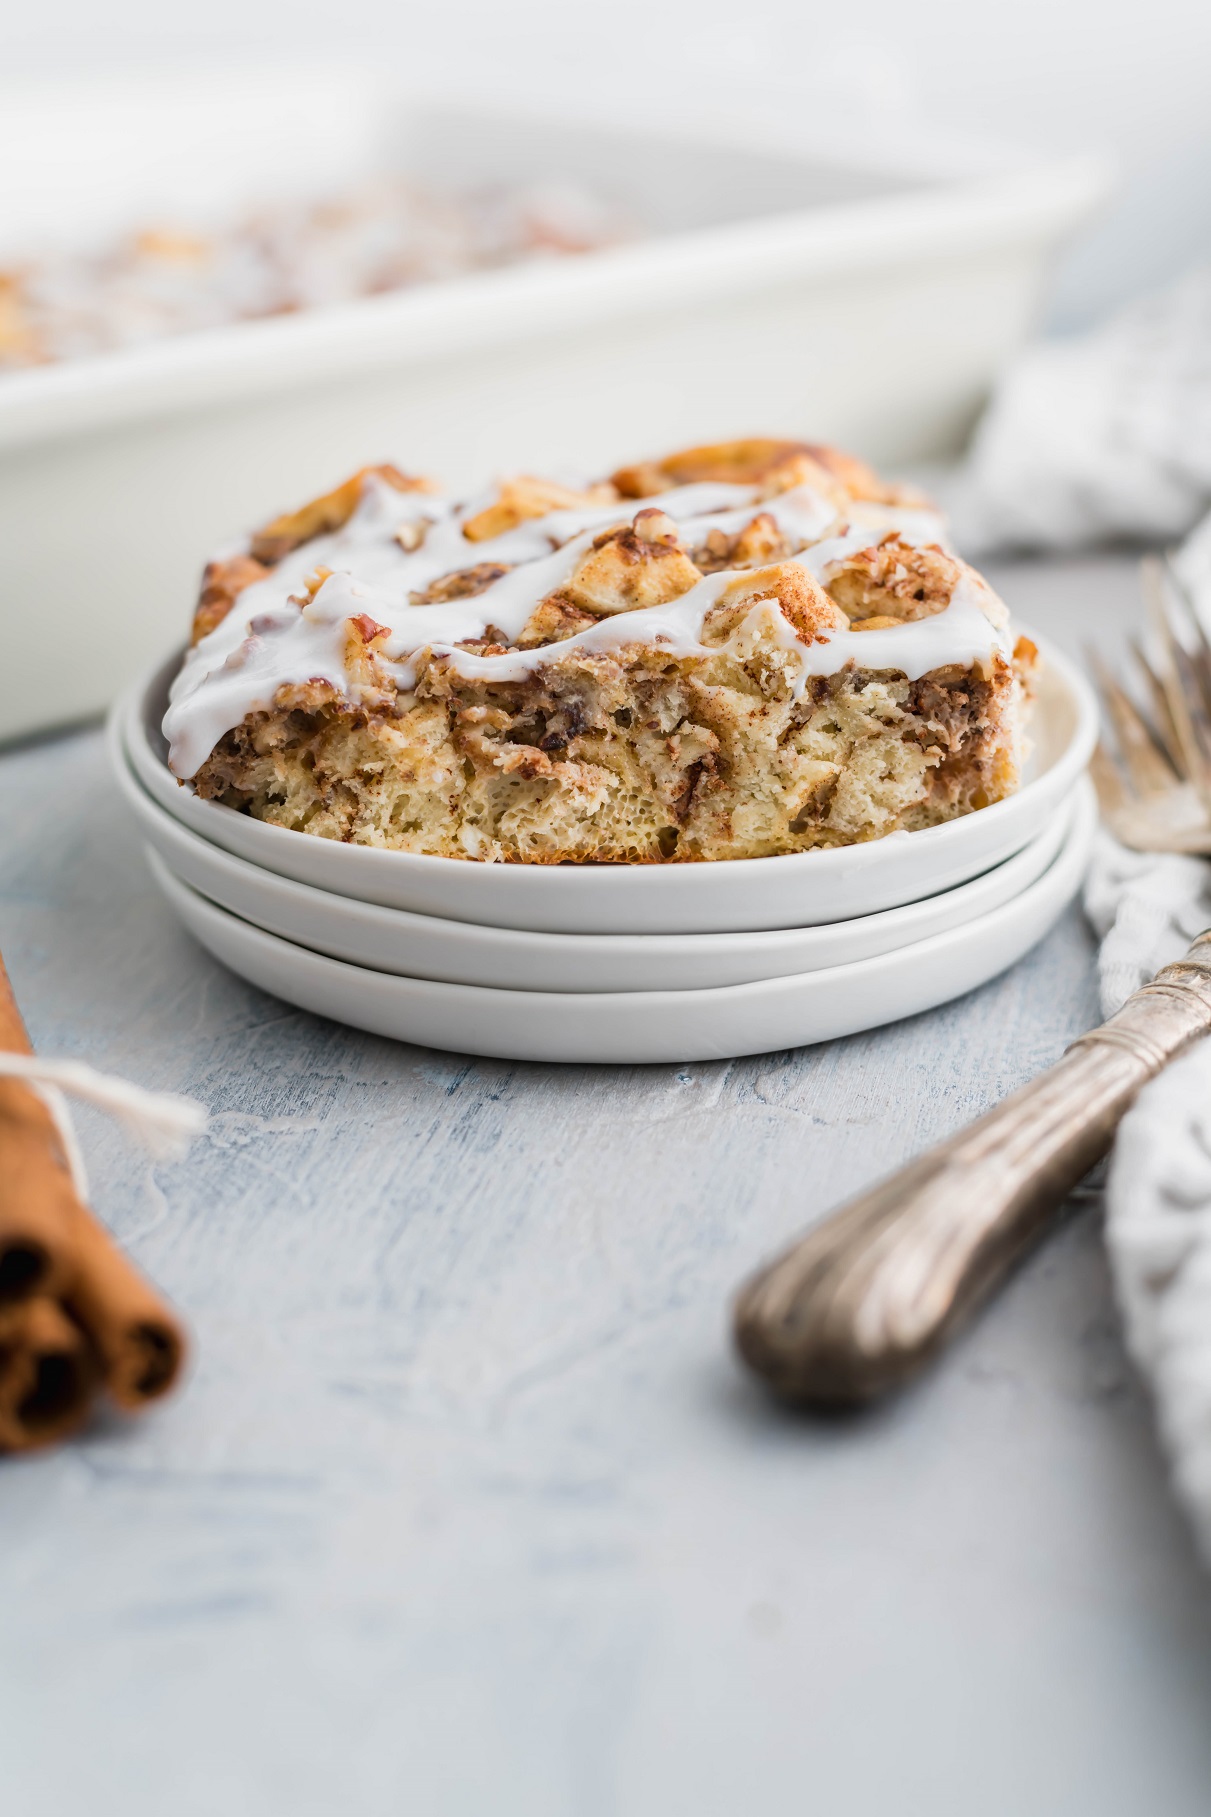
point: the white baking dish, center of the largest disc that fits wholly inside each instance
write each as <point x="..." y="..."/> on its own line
<point x="778" y="293"/>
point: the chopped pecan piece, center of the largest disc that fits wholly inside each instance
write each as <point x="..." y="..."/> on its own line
<point x="894" y="579"/>
<point x="808" y="788"/>
<point x="311" y="586"/>
<point x="756" y="545"/>
<point x="464" y="583"/>
<point x="368" y="629"/>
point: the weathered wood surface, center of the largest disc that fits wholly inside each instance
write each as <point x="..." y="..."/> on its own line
<point x="467" y="1509"/>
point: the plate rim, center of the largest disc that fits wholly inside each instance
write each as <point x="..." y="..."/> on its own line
<point x="1072" y="857"/>
<point x="535" y="937"/>
<point x="485" y="943"/>
<point x="571" y="886"/>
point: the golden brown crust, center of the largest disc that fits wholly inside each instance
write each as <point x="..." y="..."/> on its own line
<point x="527" y="496"/>
<point x="19" y="343"/>
<point x="222" y="584"/>
<point x="553" y="620"/>
<point x="860" y="480"/>
<point x="768" y="462"/>
<point x="751" y="461"/>
<point x="773" y="465"/>
<point x="321" y="516"/>
<point x="715" y="745"/>
<point x="1025" y="668"/>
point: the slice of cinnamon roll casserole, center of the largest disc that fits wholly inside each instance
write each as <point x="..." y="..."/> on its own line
<point x="739" y="650"/>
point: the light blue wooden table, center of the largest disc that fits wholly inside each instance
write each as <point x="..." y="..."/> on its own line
<point x="466" y="1508"/>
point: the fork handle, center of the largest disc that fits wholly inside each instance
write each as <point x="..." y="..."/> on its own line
<point x="866" y="1297"/>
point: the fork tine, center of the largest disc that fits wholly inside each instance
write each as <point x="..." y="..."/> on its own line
<point x="1179" y="591"/>
<point x="1193" y="665"/>
<point x="1160" y="628"/>
<point x="1196" y="740"/>
<point x="1174" y="675"/>
<point x="1148" y="769"/>
<point x="1155" y="791"/>
<point x="1162" y="723"/>
<point x="1112" y="796"/>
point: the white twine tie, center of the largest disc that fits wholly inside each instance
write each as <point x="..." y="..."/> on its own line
<point x="164" y="1122"/>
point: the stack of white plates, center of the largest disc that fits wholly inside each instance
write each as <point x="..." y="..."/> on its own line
<point x="623" y="963"/>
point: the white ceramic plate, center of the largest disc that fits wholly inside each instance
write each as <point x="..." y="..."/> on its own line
<point x="459" y="952"/>
<point x="736" y="895"/>
<point x="634" y="1027"/>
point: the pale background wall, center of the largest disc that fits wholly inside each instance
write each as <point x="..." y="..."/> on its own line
<point x="1065" y="74"/>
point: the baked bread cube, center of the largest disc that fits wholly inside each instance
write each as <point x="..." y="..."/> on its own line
<point x="733" y="651"/>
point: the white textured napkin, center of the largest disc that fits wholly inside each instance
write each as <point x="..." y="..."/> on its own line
<point x="1147" y="909"/>
<point x="1106" y="434"/>
<point x="1158" y="1229"/>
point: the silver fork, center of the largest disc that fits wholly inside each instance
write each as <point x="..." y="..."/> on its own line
<point x="1157" y="796"/>
<point x="857" y="1305"/>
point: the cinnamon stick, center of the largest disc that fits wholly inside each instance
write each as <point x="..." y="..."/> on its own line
<point x="47" y="1374"/>
<point x="36" y="1195"/>
<point x="51" y="1246"/>
<point x="140" y="1344"/>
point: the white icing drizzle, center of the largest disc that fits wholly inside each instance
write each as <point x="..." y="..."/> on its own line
<point x="802" y="515"/>
<point x="913" y="523"/>
<point x="962" y="633"/>
<point x="266" y="641"/>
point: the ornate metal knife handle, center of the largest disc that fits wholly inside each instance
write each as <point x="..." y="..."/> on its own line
<point x="860" y="1302"/>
